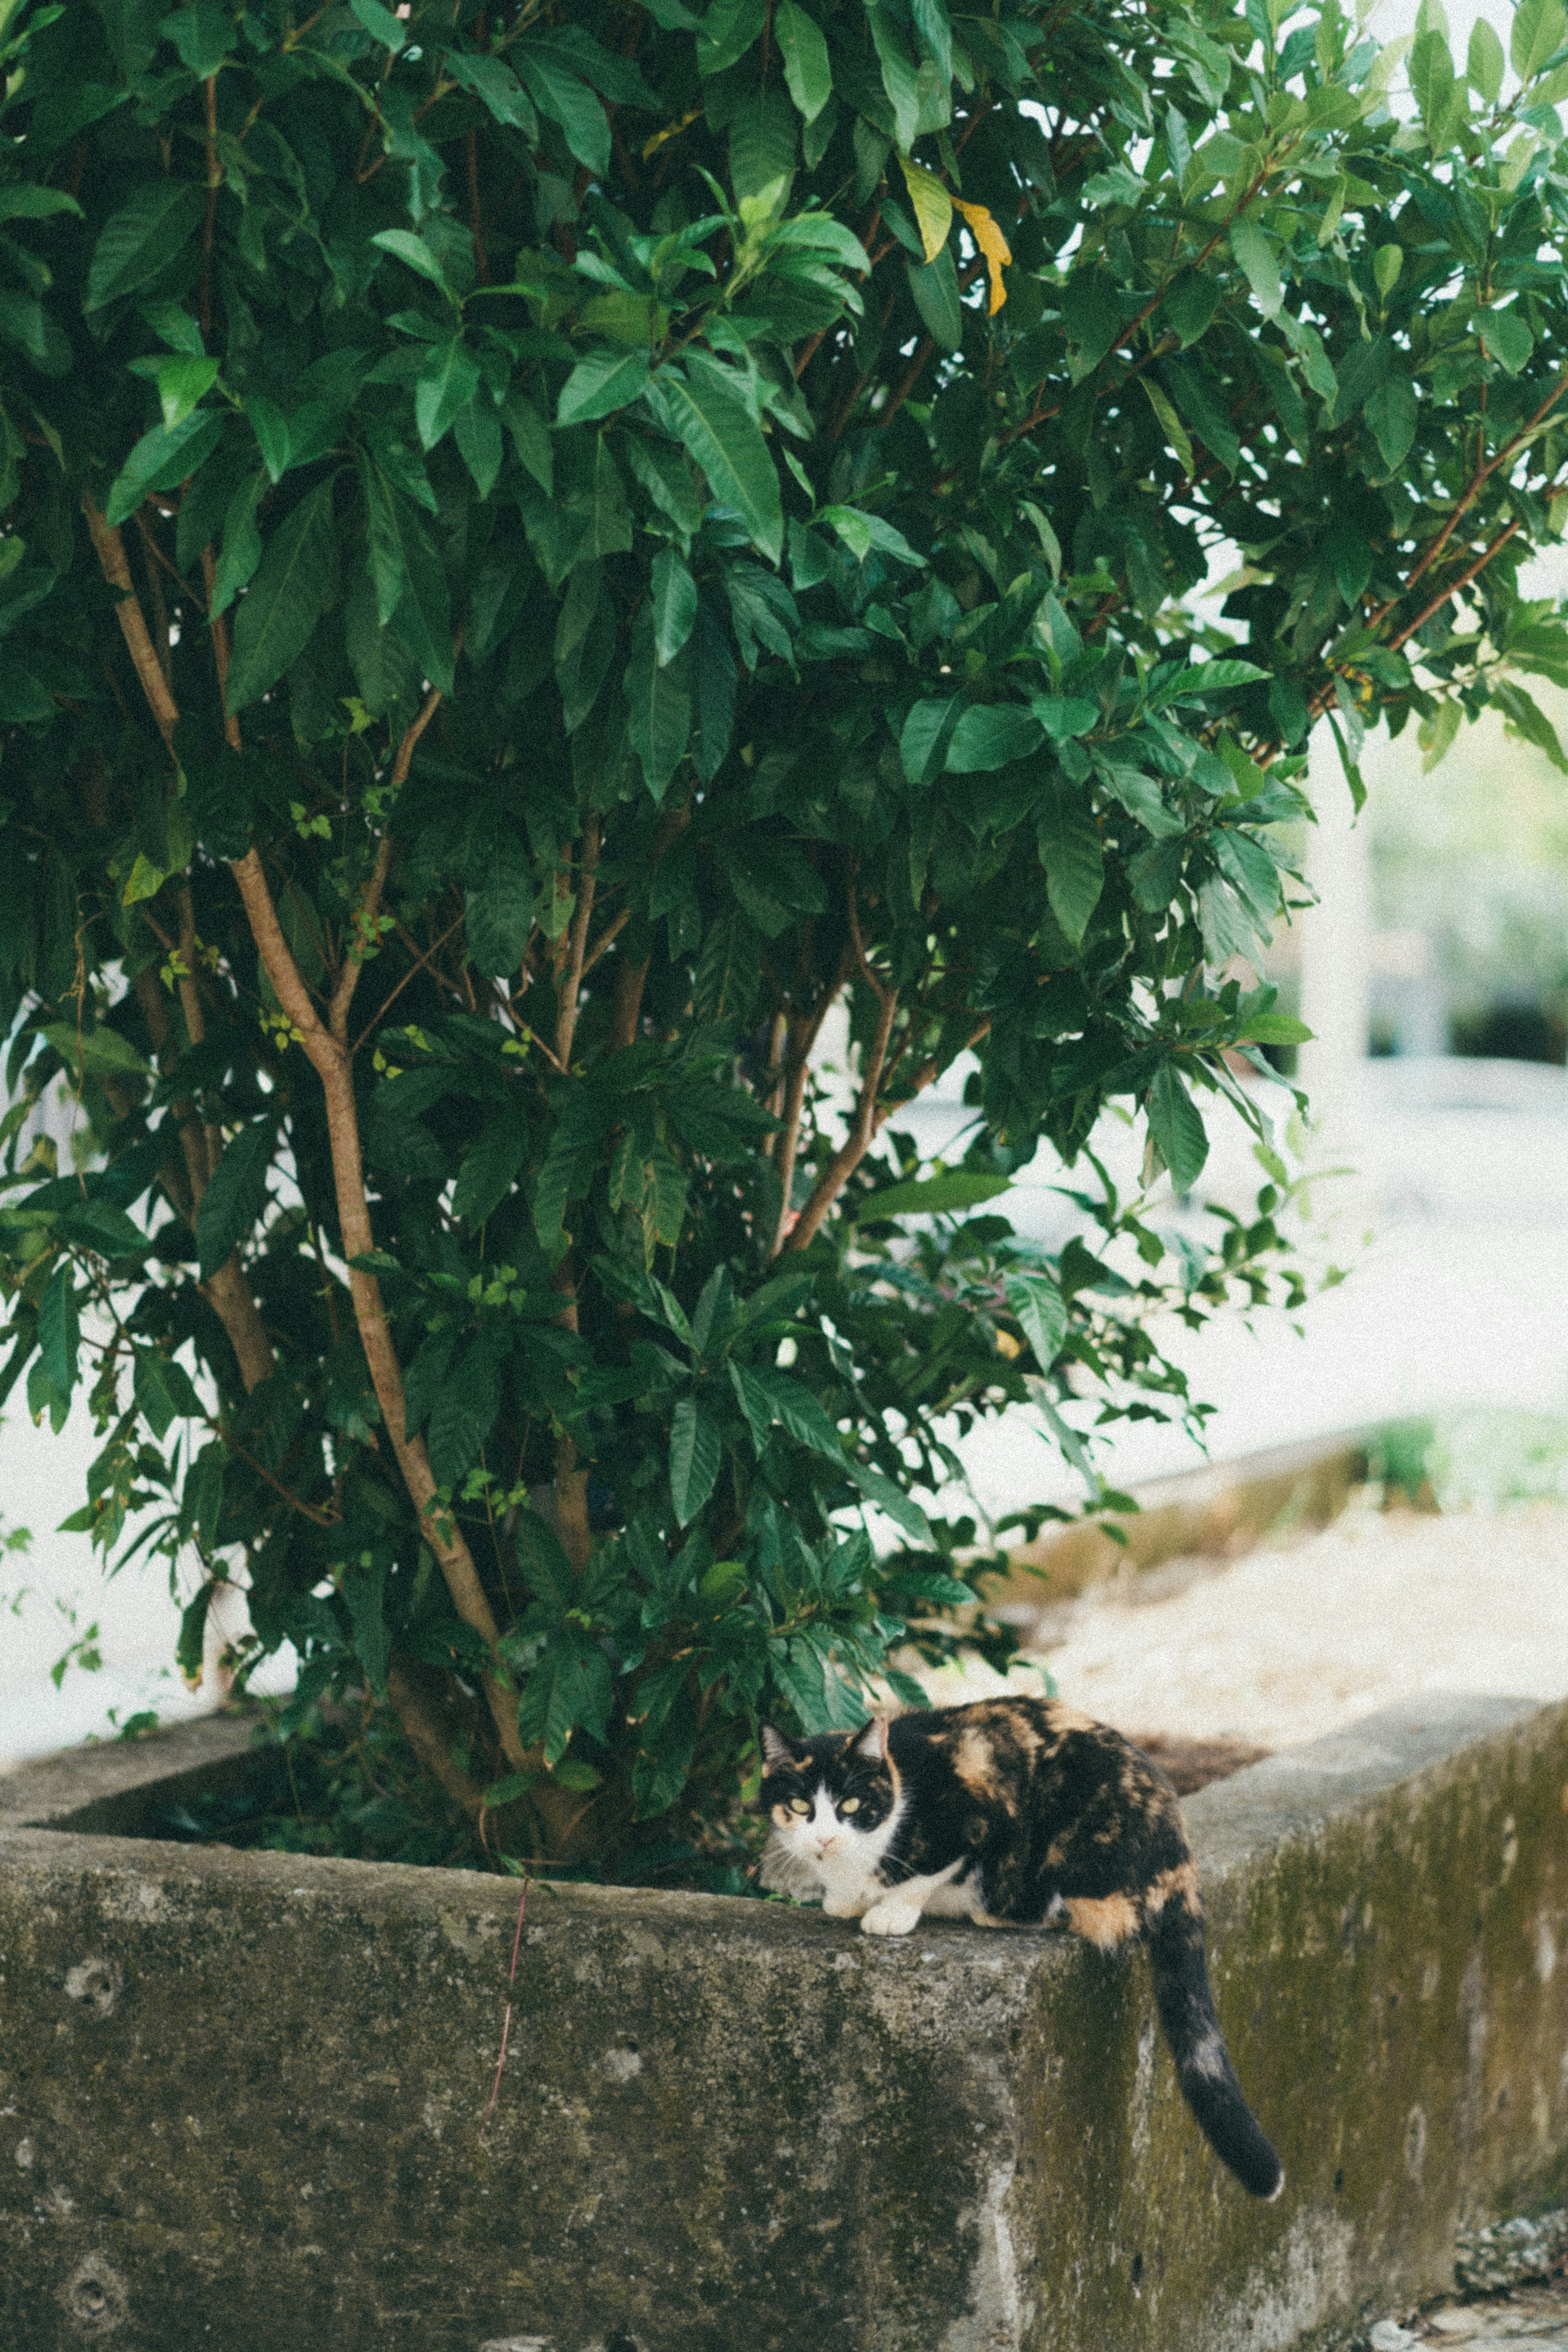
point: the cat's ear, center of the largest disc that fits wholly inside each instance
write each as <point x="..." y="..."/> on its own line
<point x="777" y="1750"/>
<point x="873" y="1741"/>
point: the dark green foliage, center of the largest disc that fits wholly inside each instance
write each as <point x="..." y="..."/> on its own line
<point x="572" y="499"/>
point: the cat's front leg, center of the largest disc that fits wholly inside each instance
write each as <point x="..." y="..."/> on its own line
<point x="898" y="1912"/>
<point x="843" y="1907"/>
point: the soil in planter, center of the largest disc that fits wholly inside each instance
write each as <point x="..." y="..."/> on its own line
<point x="347" y="1785"/>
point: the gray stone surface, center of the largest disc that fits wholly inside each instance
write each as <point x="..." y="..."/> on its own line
<point x="240" y="2093"/>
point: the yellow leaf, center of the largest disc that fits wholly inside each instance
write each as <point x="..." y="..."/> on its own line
<point x="982" y="228"/>
<point x="933" y="206"/>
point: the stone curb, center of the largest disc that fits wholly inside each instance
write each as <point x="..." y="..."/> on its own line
<point x="240" y="2093"/>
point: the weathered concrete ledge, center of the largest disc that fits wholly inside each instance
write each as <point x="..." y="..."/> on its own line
<point x="240" y="2093"/>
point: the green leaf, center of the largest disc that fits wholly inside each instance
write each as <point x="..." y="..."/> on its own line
<point x="674" y="605"/>
<point x="32" y="201"/>
<point x="723" y="437"/>
<point x="491" y="1167"/>
<point x="530" y="439"/>
<point x="696" y="1458"/>
<point x="1073" y="857"/>
<point x="559" y="94"/>
<point x="1506" y="336"/>
<point x="104" y="1052"/>
<point x="601" y="384"/>
<point x="932" y="1196"/>
<point x="410" y="584"/>
<point x="1064" y="716"/>
<point x="1210" y="677"/>
<point x="162" y="458"/>
<point x="899" y="77"/>
<point x="935" y="285"/>
<point x="381" y="24"/>
<point x="1042" y="1310"/>
<point x="1394" y="416"/>
<point x="278" y="617"/>
<point x="1525" y="718"/>
<point x="140" y="240"/>
<point x="891" y="1497"/>
<point x="498" y="88"/>
<point x="232" y="1202"/>
<point x="1177" y="1129"/>
<point x="1191" y="301"/>
<point x="413" y="252"/>
<point x="992" y="736"/>
<point x="60" y="1330"/>
<point x="270" y="427"/>
<point x="808" y="75"/>
<point x="444" y="387"/>
<point x="182" y="382"/>
<point x="1536" y="33"/>
<point x="163" y="1391"/>
<point x="1258" y="260"/>
<point x="1484" y="64"/>
<point x="659" y="703"/>
<point x="927" y="735"/>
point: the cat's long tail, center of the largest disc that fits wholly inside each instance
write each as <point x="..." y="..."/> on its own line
<point x="1208" y="2081"/>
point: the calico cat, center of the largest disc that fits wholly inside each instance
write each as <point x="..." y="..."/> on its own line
<point x="1019" y="1811"/>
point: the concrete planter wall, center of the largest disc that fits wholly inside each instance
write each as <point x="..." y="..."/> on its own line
<point x="240" y="2093"/>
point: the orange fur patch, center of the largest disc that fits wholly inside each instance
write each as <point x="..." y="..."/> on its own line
<point x="1105" y="1920"/>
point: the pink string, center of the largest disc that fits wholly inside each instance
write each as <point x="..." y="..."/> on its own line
<point x="506" y="2021"/>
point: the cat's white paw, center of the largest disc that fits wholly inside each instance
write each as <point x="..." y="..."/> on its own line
<point x="841" y="1906"/>
<point x="890" y="1920"/>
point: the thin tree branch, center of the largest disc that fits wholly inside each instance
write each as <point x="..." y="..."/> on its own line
<point x="329" y="1058"/>
<point x="111" y="551"/>
<point x="844" y="1162"/>
<point x="571" y="983"/>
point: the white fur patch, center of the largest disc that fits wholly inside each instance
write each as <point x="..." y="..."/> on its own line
<point x="1208" y="2056"/>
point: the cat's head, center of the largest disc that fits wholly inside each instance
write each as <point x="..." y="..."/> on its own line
<point x="824" y="1794"/>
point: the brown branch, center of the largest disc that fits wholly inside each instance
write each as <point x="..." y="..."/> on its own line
<point x="311" y="1511"/>
<point x="329" y="1059"/>
<point x="160" y="611"/>
<point x="1454" y="586"/>
<point x="1472" y="490"/>
<point x="605" y="940"/>
<point x="911" y="376"/>
<point x="569" y="987"/>
<point x="421" y="963"/>
<point x="844" y="1162"/>
<point x="797" y="1065"/>
<point x="218" y="623"/>
<point x="424" y="1732"/>
<point x="110" y="550"/>
<point x="626" y="1009"/>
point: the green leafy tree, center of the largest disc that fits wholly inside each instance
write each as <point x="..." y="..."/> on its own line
<point x="544" y="549"/>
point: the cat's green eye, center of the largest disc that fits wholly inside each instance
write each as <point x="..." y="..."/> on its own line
<point x="798" y="1805"/>
<point x="851" y="1805"/>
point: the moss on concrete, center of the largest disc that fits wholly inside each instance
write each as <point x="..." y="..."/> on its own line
<point x="240" y="2093"/>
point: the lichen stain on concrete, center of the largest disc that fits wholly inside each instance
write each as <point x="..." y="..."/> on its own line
<point x="95" y="2298"/>
<point x="97" y="1984"/>
<point x="998" y="2317"/>
<point x="1310" y="2281"/>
